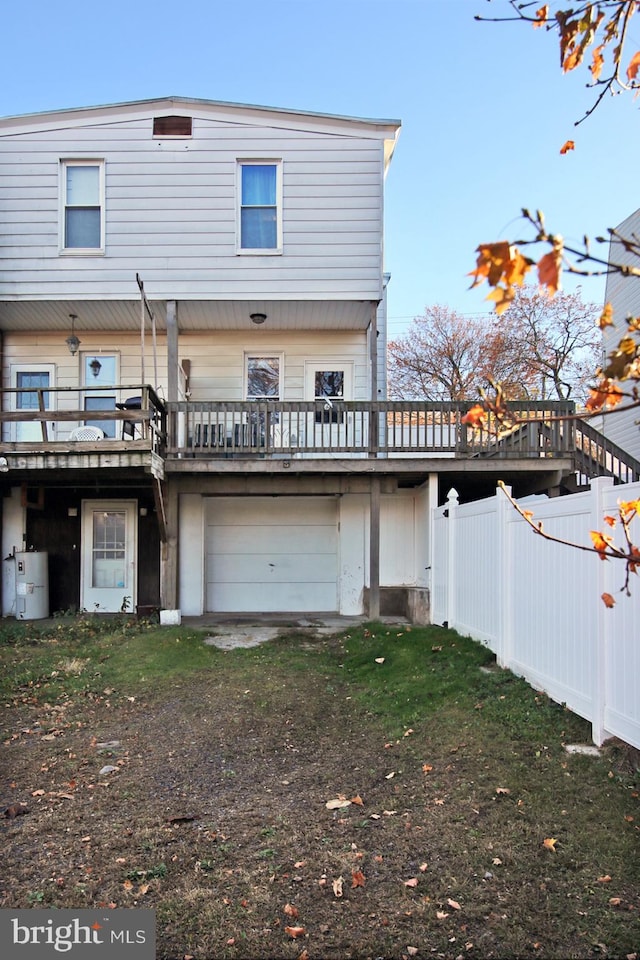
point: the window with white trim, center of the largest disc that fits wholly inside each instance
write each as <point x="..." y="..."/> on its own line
<point x="263" y="377"/>
<point x="259" y="206"/>
<point x="82" y="214"/>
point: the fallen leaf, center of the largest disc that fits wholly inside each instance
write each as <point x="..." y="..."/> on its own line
<point x="549" y="843"/>
<point x="380" y="659"/>
<point x="423" y="867"/>
<point x="413" y="882"/>
<point x="390" y="776"/>
<point x="337" y="804"/>
<point x="128" y="885"/>
<point x="412" y="951"/>
<point x="143" y="888"/>
<point x="427" y="768"/>
<point x="605" y="879"/>
<point x="441" y="915"/>
<point x="502" y="791"/>
<point x="615" y="901"/>
<point x="454" y="904"/>
<point x="37" y="793"/>
<point x="357" y="800"/>
<point x="291" y="911"/>
<point x="337" y="886"/>
<point x="357" y="879"/>
<point x="408" y="732"/>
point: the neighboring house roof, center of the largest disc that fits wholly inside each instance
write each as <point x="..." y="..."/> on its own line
<point x="388" y="130"/>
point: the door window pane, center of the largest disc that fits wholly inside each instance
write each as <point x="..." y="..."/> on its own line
<point x="31" y="382"/>
<point x="329" y="383"/>
<point x="100" y="371"/>
<point x="329" y="386"/>
<point x="108" y="568"/>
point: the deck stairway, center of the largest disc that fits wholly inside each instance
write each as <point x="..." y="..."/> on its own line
<point x="596" y="456"/>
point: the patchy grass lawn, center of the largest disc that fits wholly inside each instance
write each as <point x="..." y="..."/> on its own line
<point x="384" y="794"/>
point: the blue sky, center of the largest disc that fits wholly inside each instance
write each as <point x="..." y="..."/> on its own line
<point x="484" y="109"/>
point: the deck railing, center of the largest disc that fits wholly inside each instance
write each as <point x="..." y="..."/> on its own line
<point x="362" y="428"/>
<point x="51" y="418"/>
<point x="41" y="418"/>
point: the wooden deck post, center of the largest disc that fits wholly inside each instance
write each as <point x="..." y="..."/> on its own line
<point x="169" y="547"/>
<point x="172" y="350"/>
<point x="169" y="552"/>
<point x="374" y="549"/>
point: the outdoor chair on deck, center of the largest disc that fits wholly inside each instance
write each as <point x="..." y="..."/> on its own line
<point x="129" y="426"/>
<point x="87" y="433"/>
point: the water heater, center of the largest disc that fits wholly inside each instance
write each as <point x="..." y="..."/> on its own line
<point x="32" y="585"/>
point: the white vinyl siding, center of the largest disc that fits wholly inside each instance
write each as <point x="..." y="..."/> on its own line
<point x="218" y="364"/>
<point x="172" y="211"/>
<point x="624" y="294"/>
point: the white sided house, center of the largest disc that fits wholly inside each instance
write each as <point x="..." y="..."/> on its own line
<point x="623" y="293"/>
<point x="193" y="332"/>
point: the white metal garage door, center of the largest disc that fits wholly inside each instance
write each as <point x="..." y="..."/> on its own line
<point x="271" y="554"/>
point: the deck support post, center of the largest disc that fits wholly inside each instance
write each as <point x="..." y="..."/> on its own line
<point x="374" y="548"/>
<point x="169" y="552"/>
<point x="172" y="350"/>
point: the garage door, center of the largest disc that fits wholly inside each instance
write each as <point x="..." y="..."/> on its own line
<point x="271" y="554"/>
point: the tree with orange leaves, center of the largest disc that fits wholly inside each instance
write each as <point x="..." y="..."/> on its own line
<point x="596" y="35"/>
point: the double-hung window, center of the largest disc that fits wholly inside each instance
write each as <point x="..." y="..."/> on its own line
<point x="259" y="206"/>
<point x="82" y="215"/>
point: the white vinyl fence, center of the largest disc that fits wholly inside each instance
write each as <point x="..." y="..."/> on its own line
<point x="538" y="605"/>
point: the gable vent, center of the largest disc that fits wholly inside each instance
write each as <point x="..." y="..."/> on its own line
<point x="172" y="126"/>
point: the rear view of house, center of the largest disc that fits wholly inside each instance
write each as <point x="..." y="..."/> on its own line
<point x="194" y="413"/>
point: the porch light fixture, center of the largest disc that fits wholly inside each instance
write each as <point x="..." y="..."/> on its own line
<point x="72" y="341"/>
<point x="258" y="317"/>
<point x="95" y="366"/>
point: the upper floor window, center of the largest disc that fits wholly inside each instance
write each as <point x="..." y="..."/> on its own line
<point x="82" y="205"/>
<point x="260" y="196"/>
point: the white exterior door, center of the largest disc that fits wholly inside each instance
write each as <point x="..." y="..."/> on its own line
<point x="30" y="382"/>
<point x="329" y="382"/>
<point x="271" y="554"/>
<point x="108" y="577"/>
